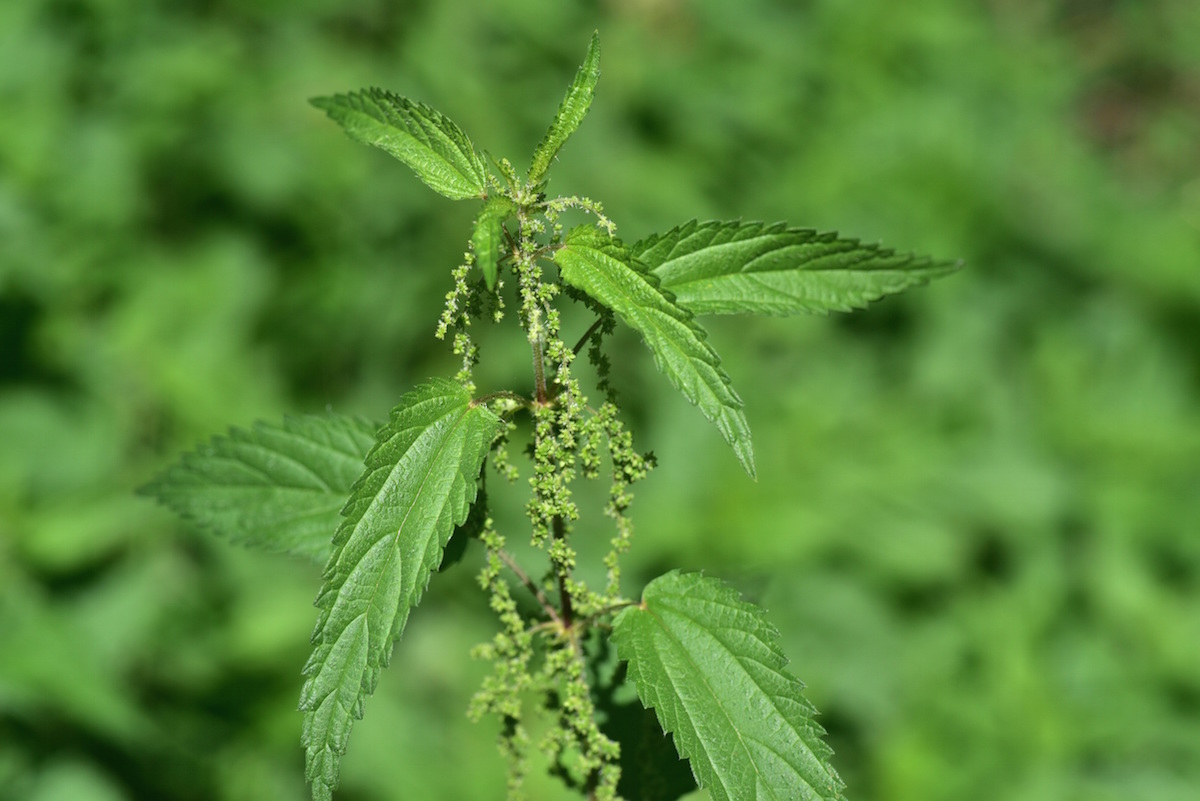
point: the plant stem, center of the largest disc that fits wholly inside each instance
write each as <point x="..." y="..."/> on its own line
<point x="608" y="610"/>
<point x="539" y="370"/>
<point x="523" y="577"/>
<point x="568" y="614"/>
<point x="586" y="336"/>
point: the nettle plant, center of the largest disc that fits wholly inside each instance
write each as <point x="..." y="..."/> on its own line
<point x="383" y="507"/>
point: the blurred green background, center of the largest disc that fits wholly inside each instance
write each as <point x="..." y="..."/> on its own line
<point x="976" y="522"/>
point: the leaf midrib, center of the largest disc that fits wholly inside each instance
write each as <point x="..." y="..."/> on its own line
<point x="682" y="648"/>
<point x="394" y="548"/>
<point x="808" y="262"/>
<point x="433" y="131"/>
<point x="258" y="446"/>
<point x="654" y="314"/>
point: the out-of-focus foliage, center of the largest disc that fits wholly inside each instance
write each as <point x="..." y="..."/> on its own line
<point x="277" y="488"/>
<point x="976" y="516"/>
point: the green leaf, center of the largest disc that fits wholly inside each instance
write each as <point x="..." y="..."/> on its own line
<point x="470" y="529"/>
<point x="709" y="665"/>
<point x="571" y="112"/>
<point x="278" y="488"/>
<point x="753" y="268"/>
<point x="419" y="482"/>
<point x="437" y="150"/>
<point x="600" y="266"/>
<point x="488" y="237"/>
<point x="651" y="769"/>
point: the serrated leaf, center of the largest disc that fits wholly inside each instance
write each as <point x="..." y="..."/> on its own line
<point x="275" y="487"/>
<point x="469" y="529"/>
<point x="753" y="268"/>
<point x="591" y="261"/>
<point x="571" y="111"/>
<point x="709" y="665"/>
<point x="426" y="140"/>
<point x="488" y="236"/>
<point x="419" y="482"/>
<point x="651" y="769"/>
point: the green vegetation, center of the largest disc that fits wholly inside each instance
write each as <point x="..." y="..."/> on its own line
<point x="974" y="520"/>
<point x="704" y="661"/>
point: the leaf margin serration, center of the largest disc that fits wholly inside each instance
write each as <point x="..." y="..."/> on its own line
<point x="181" y="486"/>
<point x="325" y="741"/>
<point x="659" y="305"/>
<point x="487" y="236"/>
<point x="571" y="112"/>
<point x="437" y="150"/>
<point x="877" y="270"/>
<point x="625" y="636"/>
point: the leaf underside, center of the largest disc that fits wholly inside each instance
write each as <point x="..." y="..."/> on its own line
<point x="709" y="665"/>
<point x="418" y="484"/>
<point x="426" y="140"/>
<point x="571" y="111"/>
<point x="275" y="487"/>
<point x="600" y="266"/>
<point x="754" y="268"/>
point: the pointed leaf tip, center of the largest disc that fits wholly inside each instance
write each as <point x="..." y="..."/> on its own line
<point x="487" y="239"/>
<point x="592" y="261"/>
<point x="709" y="665"/>
<point x="753" y="268"/>
<point x="418" y="484"/>
<point x="426" y="140"/>
<point x="571" y="111"/>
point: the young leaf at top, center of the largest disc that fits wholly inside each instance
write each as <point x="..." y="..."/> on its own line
<point x="709" y="665"/>
<point x="752" y="268"/>
<point x="488" y="236"/>
<point x="419" y="482"/>
<point x="600" y="266"/>
<point x="278" y="488"/>
<point x="571" y="112"/>
<point x="425" y="139"/>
